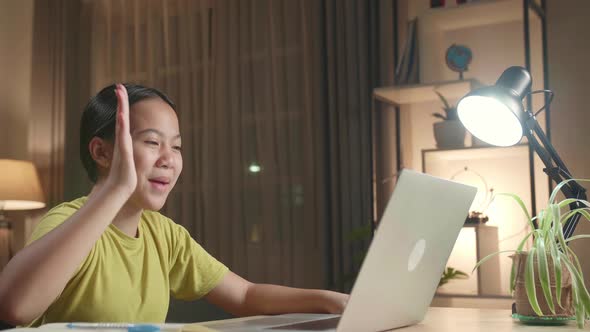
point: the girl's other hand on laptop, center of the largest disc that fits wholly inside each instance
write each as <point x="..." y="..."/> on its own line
<point x="336" y="302"/>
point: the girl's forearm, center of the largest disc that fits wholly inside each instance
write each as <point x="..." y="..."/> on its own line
<point x="264" y="299"/>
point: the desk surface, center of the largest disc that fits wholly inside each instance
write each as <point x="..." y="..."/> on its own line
<point x="437" y="319"/>
<point x="473" y="320"/>
<point x="480" y="320"/>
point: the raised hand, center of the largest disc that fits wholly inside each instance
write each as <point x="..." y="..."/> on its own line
<point x="122" y="174"/>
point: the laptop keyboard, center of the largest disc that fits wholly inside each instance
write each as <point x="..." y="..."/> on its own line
<point x="249" y="323"/>
<point x="314" y="325"/>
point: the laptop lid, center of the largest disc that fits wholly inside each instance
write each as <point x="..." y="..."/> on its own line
<point x="408" y="254"/>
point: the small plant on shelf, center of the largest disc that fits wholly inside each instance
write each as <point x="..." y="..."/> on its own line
<point x="449" y="133"/>
<point x="450" y="112"/>
<point x="550" y="267"/>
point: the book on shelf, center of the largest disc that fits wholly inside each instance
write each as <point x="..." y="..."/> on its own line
<point x="407" y="70"/>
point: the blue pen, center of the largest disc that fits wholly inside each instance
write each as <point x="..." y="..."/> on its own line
<point x="123" y="326"/>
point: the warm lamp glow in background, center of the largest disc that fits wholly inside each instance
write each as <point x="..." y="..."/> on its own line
<point x="20" y="189"/>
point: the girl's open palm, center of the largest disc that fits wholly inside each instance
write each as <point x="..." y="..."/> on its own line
<point x="122" y="173"/>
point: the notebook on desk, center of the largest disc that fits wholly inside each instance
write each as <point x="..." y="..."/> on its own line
<point x="403" y="265"/>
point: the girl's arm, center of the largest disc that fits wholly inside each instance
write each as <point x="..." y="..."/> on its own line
<point x="243" y="298"/>
<point x="36" y="276"/>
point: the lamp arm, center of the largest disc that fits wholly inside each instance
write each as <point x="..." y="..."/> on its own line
<point x="556" y="170"/>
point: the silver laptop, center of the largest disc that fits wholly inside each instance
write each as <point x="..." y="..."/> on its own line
<point x="402" y="268"/>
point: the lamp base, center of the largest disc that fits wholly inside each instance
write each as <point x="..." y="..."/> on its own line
<point x="5" y="242"/>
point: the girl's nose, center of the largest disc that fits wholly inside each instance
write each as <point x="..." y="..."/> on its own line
<point x="166" y="160"/>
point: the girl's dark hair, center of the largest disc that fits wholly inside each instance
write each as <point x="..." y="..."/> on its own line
<point x="99" y="118"/>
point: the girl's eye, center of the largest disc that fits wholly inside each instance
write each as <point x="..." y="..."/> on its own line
<point x="151" y="142"/>
<point x="178" y="148"/>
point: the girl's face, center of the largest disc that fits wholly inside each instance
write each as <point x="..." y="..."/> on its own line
<point x="156" y="151"/>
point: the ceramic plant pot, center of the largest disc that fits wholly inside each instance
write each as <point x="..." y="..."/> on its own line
<point x="449" y="134"/>
<point x="523" y="306"/>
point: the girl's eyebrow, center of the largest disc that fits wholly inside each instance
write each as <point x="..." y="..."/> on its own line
<point x="155" y="131"/>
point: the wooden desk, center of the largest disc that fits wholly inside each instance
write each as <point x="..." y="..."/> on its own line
<point x="437" y="320"/>
<point x="479" y="320"/>
<point x="472" y="320"/>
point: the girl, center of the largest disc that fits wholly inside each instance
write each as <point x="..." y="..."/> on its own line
<point x="110" y="256"/>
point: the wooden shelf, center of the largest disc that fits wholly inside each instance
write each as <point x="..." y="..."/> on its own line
<point x="474" y="14"/>
<point x="480" y="152"/>
<point x="420" y="93"/>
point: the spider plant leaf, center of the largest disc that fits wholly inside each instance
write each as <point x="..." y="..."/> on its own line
<point x="577" y="237"/>
<point x="579" y="288"/>
<point x="483" y="260"/>
<point x="585" y="212"/>
<point x="561" y="240"/>
<point x="579" y="306"/>
<point x="557" y="189"/>
<point x="522" y="206"/>
<point x="556" y="223"/>
<point x="544" y="272"/>
<point x="556" y="259"/>
<point x="543" y="215"/>
<point x="523" y="241"/>
<point x="551" y="216"/>
<point x="568" y="201"/>
<point x="529" y="282"/>
<point x="577" y="273"/>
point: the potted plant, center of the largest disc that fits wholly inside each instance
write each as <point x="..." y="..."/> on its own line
<point x="550" y="267"/>
<point x="451" y="273"/>
<point x="450" y="132"/>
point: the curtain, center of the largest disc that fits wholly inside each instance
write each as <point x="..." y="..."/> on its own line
<point x="59" y="91"/>
<point x="351" y="52"/>
<point x="47" y="134"/>
<point x="46" y="141"/>
<point x="273" y="101"/>
<point x="246" y="78"/>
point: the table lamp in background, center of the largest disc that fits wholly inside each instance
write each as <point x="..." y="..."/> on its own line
<point x="20" y="189"/>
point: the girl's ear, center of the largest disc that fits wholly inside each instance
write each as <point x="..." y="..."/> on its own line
<point x="101" y="152"/>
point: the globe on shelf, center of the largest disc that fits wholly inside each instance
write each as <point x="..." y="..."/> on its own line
<point x="458" y="58"/>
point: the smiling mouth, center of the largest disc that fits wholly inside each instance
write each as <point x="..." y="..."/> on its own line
<point x="159" y="182"/>
<point x="159" y="185"/>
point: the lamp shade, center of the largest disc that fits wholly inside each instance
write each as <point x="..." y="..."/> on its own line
<point x="495" y="114"/>
<point x="20" y="188"/>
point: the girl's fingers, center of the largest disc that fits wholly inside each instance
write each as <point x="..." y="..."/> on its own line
<point x="122" y="107"/>
<point x="118" y="114"/>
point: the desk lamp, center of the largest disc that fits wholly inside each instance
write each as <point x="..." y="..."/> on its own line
<point x="20" y="189"/>
<point x="496" y="115"/>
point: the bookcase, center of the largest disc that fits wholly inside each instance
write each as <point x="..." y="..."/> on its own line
<point x="500" y="33"/>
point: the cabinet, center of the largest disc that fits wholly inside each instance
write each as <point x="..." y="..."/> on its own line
<point x="500" y="33"/>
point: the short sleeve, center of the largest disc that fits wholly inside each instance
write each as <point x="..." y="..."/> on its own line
<point x="51" y="220"/>
<point x="193" y="271"/>
<point x="55" y="217"/>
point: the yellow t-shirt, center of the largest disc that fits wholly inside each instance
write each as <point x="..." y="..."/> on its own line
<point x="126" y="279"/>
